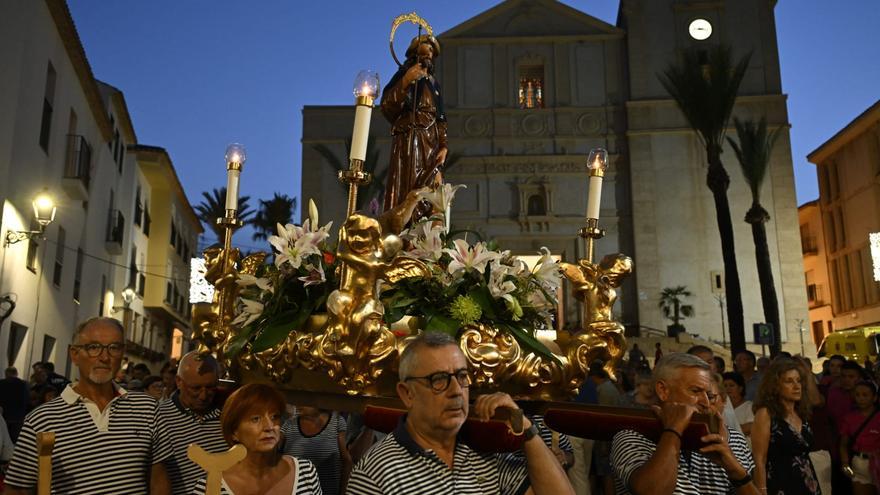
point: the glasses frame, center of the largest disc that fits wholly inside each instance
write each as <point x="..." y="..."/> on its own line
<point x="100" y="349"/>
<point x="462" y="376"/>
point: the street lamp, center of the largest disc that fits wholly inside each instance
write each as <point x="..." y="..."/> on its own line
<point x="44" y="213"/>
<point x="128" y="294"/>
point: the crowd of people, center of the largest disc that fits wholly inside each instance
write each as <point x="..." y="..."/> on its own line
<point x="785" y="429"/>
<point x="122" y="429"/>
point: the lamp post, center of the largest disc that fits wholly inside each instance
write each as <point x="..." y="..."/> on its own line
<point x="44" y="213"/>
<point x="127" y="298"/>
<point x="800" y="324"/>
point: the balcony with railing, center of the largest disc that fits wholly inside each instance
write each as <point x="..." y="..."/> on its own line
<point x="816" y="295"/>
<point x="809" y="244"/>
<point x="77" y="168"/>
<point x="115" y="232"/>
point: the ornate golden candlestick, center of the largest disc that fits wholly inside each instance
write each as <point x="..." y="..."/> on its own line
<point x="366" y="88"/>
<point x="213" y="326"/>
<point x="597" y="163"/>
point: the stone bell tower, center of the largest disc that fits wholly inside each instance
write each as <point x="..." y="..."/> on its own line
<point x="674" y="221"/>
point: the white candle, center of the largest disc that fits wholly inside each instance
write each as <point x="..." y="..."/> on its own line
<point x="596" y="163"/>
<point x="232" y="176"/>
<point x="595" y="197"/>
<point x="361" y="130"/>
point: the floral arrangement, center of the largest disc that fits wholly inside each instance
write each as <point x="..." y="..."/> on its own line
<point x="469" y="283"/>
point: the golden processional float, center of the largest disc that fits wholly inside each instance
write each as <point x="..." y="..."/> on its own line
<point x="325" y="325"/>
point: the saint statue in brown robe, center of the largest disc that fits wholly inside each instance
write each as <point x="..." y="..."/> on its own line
<point x="412" y="104"/>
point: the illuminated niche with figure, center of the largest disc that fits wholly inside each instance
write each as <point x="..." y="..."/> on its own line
<point x="530" y="82"/>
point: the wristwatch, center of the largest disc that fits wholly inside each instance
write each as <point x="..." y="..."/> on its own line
<point x="530" y="432"/>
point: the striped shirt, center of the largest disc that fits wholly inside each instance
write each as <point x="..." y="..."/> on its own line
<point x="305" y="483"/>
<point x="322" y="449"/>
<point x="697" y="475"/>
<point x="107" y="451"/>
<point x="178" y="428"/>
<point x="398" y="465"/>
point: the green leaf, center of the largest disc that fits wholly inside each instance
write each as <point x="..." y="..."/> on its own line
<point x="529" y="342"/>
<point x="445" y="324"/>
<point x="238" y="342"/>
<point x="280" y="327"/>
<point x="483" y="297"/>
<point x="402" y="301"/>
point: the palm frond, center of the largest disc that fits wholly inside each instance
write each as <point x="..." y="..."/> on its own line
<point x="753" y="151"/>
<point x="213" y="206"/>
<point x="706" y="92"/>
<point x="278" y="210"/>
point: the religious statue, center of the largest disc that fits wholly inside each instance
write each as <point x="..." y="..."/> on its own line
<point x="595" y="286"/>
<point x="356" y="338"/>
<point x="413" y="105"/>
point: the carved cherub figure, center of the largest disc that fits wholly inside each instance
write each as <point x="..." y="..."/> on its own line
<point x="595" y="286"/>
<point x="356" y="335"/>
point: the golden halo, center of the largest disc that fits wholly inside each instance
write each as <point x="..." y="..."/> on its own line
<point x="413" y="18"/>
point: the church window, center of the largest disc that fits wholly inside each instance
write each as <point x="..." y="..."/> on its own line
<point x="531" y="86"/>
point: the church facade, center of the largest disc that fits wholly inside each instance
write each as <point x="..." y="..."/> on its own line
<point x="530" y="86"/>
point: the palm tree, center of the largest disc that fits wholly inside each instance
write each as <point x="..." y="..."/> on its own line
<point x="213" y="206"/>
<point x="753" y="153"/>
<point x="376" y="188"/>
<point x="706" y="93"/>
<point x="672" y="304"/>
<point x="277" y="210"/>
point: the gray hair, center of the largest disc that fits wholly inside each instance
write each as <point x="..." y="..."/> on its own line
<point x="431" y="340"/>
<point x="98" y="321"/>
<point x="667" y="367"/>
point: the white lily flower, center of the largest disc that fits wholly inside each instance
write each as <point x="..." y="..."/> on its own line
<point x="313" y="212"/>
<point x="466" y="258"/>
<point x="499" y="286"/>
<point x="245" y="280"/>
<point x="294" y="243"/>
<point x="537" y="300"/>
<point x="250" y="312"/>
<point x="441" y="197"/>
<point x="315" y="276"/>
<point x="426" y="241"/>
<point x="547" y="271"/>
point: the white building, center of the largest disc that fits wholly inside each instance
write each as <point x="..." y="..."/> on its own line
<point x="63" y="131"/>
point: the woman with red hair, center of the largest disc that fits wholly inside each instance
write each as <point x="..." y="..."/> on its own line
<point x="252" y="416"/>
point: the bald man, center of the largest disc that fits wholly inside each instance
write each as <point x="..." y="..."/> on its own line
<point x="190" y="416"/>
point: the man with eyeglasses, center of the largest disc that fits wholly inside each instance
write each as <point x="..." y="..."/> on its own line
<point x="683" y="385"/>
<point x="189" y="416"/>
<point x="423" y="454"/>
<point x="103" y="434"/>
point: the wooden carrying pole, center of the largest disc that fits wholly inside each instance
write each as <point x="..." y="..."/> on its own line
<point x="45" y="444"/>
<point x="215" y="464"/>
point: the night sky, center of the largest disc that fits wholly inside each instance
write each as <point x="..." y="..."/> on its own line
<point x="200" y="74"/>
